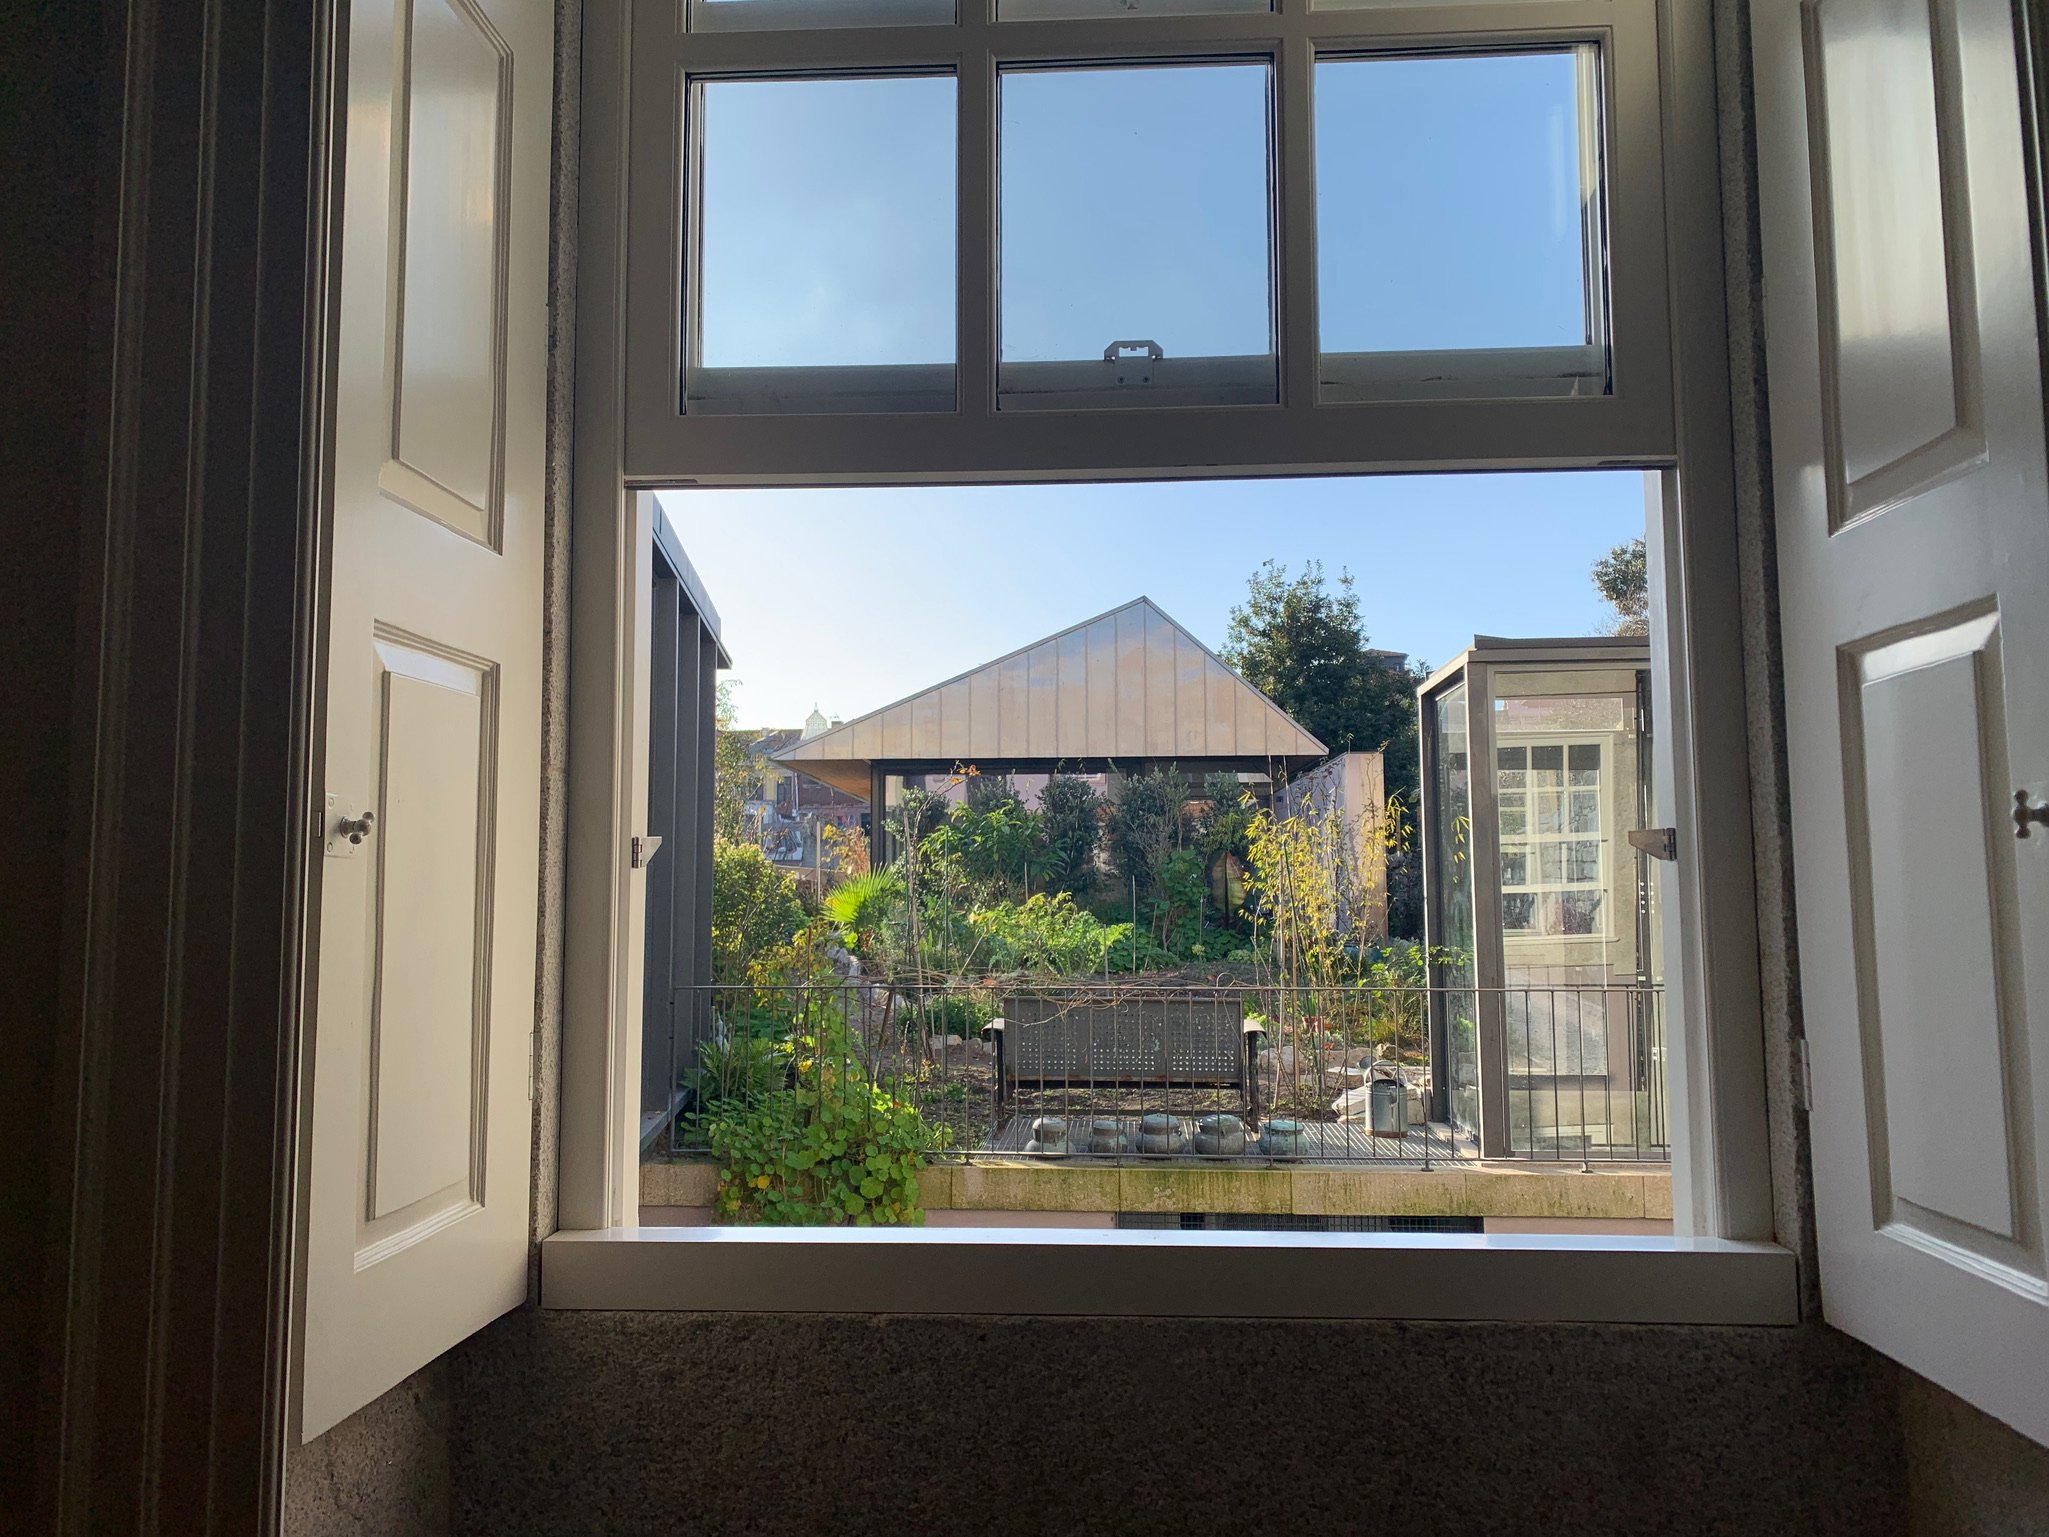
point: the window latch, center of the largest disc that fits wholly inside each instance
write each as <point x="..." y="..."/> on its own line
<point x="1134" y="361"/>
<point x="1658" y="842"/>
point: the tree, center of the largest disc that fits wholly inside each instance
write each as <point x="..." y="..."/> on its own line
<point x="1623" y="582"/>
<point x="754" y="908"/>
<point x="1145" y="826"/>
<point x="1070" y="811"/>
<point x="1305" y="647"/>
<point x="736" y="777"/>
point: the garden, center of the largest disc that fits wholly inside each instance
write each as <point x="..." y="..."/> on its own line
<point x="851" y="1037"/>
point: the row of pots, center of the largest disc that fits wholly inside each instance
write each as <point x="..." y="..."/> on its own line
<point x="1159" y="1134"/>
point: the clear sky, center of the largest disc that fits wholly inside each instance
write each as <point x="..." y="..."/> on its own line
<point x="852" y="599"/>
<point x="1133" y="203"/>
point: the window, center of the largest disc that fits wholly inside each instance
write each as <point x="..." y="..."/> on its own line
<point x="1135" y="257"/>
<point x="1259" y="236"/>
<point x="1469" y="263"/>
<point x="824" y="263"/>
<point x="1254" y="136"/>
<point x="1551" y="847"/>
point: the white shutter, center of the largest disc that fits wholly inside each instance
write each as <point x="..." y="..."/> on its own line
<point x="1913" y="513"/>
<point x="417" y="1193"/>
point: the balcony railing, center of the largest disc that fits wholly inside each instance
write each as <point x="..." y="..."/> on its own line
<point x="1223" y="1072"/>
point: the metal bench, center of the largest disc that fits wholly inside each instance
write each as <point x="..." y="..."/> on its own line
<point x="1048" y="1040"/>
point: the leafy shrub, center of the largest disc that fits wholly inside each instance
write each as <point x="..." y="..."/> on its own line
<point x="1070" y="820"/>
<point x="1145" y="826"/>
<point x="1043" y="934"/>
<point x="956" y="1013"/>
<point x="998" y="844"/>
<point x="754" y="908"/>
<point x="738" y="1072"/>
<point x="1149" y="956"/>
<point x="835" y="1149"/>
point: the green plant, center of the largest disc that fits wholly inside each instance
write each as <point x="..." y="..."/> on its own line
<point x="1070" y="816"/>
<point x="834" y="1149"/>
<point x="754" y="908"/>
<point x="736" y="773"/>
<point x="863" y="906"/>
<point x="736" y="1073"/>
<point x="1304" y="645"/>
<point x="960" y="1014"/>
<point x="1047" y="934"/>
<point x="1145" y="826"/>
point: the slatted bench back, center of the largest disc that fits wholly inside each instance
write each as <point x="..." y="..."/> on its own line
<point x="1083" y="1039"/>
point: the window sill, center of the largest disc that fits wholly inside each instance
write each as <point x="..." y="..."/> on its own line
<point x="1524" y="1278"/>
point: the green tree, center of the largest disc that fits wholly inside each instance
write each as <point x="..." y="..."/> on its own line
<point x="1303" y="644"/>
<point x="1622" y="579"/>
<point x="1070" y="814"/>
<point x="1145" y="827"/>
<point x="754" y="909"/>
<point x="736" y="776"/>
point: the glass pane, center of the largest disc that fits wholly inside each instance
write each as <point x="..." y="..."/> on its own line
<point x="1551" y="863"/>
<point x="1060" y="10"/>
<point x="1455" y="196"/>
<point x="1579" y="912"/>
<point x="1454" y="1004"/>
<point x="1548" y="765"/>
<point x="1518" y="910"/>
<point x="1135" y="248"/>
<point x="1583" y="861"/>
<point x="1515" y="867"/>
<point x="1515" y="819"/>
<point x="1584" y="758"/>
<point x="762" y="15"/>
<point x="1550" y="817"/>
<point x="825" y="244"/>
<point x="1586" y="812"/>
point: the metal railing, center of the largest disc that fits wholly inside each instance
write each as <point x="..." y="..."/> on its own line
<point x="1138" y="1070"/>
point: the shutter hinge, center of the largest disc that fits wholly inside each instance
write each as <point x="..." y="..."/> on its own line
<point x="1803" y="1076"/>
<point x="644" y="848"/>
<point x="1658" y="842"/>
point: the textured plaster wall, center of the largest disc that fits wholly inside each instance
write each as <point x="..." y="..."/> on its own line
<point x="382" y="1472"/>
<point x="1967" y="1474"/>
<point x="660" y="1423"/>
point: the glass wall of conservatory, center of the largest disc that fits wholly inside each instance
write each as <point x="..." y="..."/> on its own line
<point x="1547" y="1017"/>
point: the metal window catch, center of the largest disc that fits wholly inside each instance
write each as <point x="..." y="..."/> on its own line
<point x="2026" y="816"/>
<point x="645" y="847"/>
<point x="1658" y="842"/>
<point x="1117" y="352"/>
<point x="342" y="830"/>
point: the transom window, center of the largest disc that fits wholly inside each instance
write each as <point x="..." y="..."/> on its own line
<point x="957" y="235"/>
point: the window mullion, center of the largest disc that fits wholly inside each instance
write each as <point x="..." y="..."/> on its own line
<point x="975" y="334"/>
<point x="1295" y="218"/>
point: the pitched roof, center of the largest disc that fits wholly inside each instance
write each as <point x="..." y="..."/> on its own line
<point x="1129" y="685"/>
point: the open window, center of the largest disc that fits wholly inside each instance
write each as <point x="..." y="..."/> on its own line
<point x="1064" y="246"/>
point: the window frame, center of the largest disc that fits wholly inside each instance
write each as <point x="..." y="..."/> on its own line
<point x="1632" y="424"/>
<point x="1674" y="419"/>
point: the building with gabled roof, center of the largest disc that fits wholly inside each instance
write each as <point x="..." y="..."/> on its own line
<point x="1124" y="691"/>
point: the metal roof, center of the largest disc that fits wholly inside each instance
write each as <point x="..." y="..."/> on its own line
<point x="1119" y="690"/>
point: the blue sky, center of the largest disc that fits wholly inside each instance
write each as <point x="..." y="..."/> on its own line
<point x="1133" y="203"/>
<point x="853" y="598"/>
